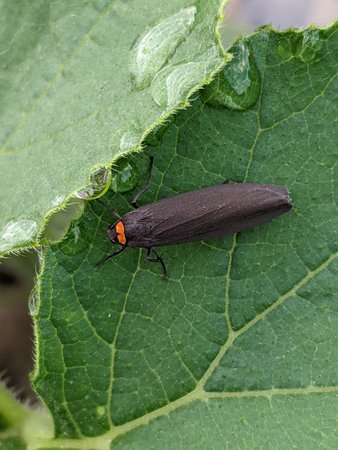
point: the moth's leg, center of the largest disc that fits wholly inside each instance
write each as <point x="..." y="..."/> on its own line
<point x="158" y="259"/>
<point x="105" y="258"/>
<point x="145" y="188"/>
<point x="114" y="213"/>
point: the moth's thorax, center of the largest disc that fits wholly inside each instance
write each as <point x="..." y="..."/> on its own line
<point x="116" y="233"/>
<point x="120" y="234"/>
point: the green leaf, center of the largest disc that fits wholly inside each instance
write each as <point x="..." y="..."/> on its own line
<point x="238" y="348"/>
<point x="82" y="83"/>
<point x="12" y="443"/>
<point x="12" y="413"/>
<point x="19" y="424"/>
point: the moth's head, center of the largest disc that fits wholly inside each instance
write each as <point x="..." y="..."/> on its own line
<point x="112" y="235"/>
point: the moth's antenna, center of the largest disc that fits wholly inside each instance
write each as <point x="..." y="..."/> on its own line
<point x="105" y="259"/>
<point x="114" y="213"/>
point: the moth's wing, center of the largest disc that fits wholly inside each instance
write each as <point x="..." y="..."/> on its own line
<point x="204" y="214"/>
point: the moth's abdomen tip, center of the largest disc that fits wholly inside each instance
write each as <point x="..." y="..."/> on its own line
<point x="288" y="199"/>
<point x="282" y="198"/>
